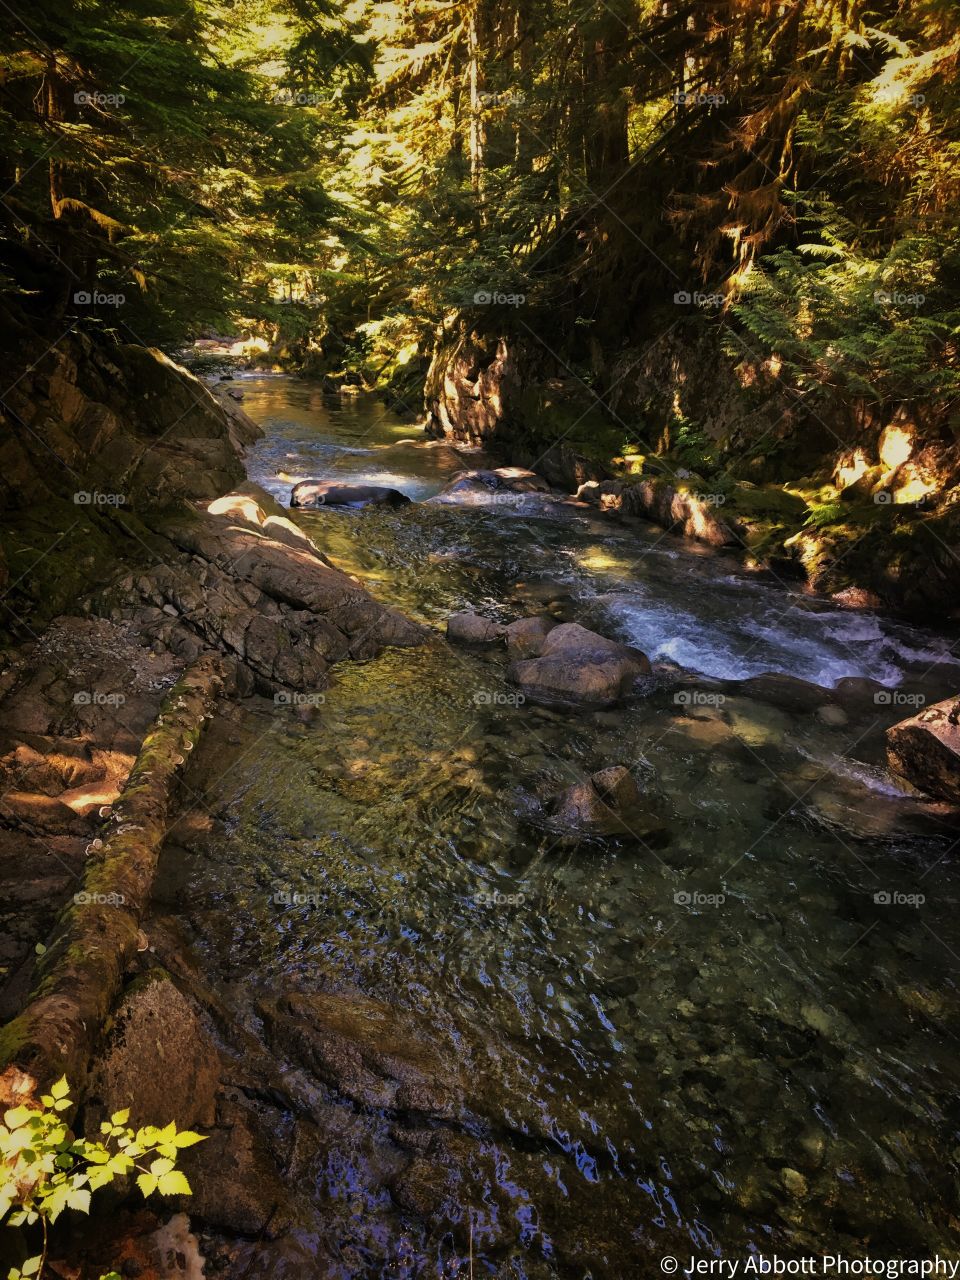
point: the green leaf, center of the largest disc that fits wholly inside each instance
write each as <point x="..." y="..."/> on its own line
<point x="61" y="1089"/>
<point x="17" y="1116"/>
<point x="120" y="1117"/>
<point x="99" y="1177"/>
<point x="147" y="1183"/>
<point x="79" y="1200"/>
<point x="174" y="1184"/>
<point x="188" y="1139"/>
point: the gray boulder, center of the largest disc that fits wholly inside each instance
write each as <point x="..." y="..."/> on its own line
<point x="579" y="667"/>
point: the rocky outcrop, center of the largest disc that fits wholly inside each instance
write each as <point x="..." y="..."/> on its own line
<point x="328" y="493"/>
<point x="121" y="426"/>
<point x="926" y="750"/>
<point x="245" y="580"/>
<point x="577" y="666"/>
<point x="75" y="706"/>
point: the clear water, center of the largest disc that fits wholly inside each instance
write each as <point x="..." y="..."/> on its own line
<point x="742" y="1035"/>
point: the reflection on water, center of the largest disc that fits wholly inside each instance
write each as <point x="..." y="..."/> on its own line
<point x="742" y="1036"/>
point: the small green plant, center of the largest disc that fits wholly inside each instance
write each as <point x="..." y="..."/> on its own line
<point x="690" y="445"/>
<point x="822" y="514"/>
<point x="44" y="1169"/>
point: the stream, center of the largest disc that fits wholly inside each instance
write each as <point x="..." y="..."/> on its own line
<point x="741" y="1034"/>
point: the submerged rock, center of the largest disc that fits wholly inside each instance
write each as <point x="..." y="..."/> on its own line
<point x="364" y="1049"/>
<point x="472" y="629"/>
<point x="607" y="805"/>
<point x="330" y="493"/>
<point x="788" y="692"/>
<point x="578" y="666"/>
<point x="926" y="750"/>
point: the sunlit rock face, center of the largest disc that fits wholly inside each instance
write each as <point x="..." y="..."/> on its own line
<point x="895" y="445"/>
<point x="926" y="750"/>
<point x="850" y="469"/>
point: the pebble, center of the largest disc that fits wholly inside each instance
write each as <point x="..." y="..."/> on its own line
<point x="832" y="715"/>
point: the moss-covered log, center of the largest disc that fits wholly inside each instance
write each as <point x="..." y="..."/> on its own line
<point x="80" y="974"/>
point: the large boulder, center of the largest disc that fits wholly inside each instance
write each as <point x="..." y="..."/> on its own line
<point x="251" y="583"/>
<point x="926" y="750"/>
<point x="159" y="1061"/>
<point x="675" y="506"/>
<point x="331" y="493"/>
<point x="577" y="666"/>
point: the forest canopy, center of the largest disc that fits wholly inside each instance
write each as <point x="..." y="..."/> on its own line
<point x="346" y="177"/>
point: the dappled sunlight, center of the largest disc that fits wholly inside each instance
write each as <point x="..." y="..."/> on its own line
<point x="850" y="471"/>
<point x="896" y="445"/>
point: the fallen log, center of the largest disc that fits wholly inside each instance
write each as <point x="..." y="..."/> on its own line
<point x="80" y="974"/>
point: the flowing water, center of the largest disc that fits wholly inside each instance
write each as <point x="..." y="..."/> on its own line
<point x="738" y="1034"/>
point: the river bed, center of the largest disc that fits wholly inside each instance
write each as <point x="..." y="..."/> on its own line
<point x="739" y="1034"/>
